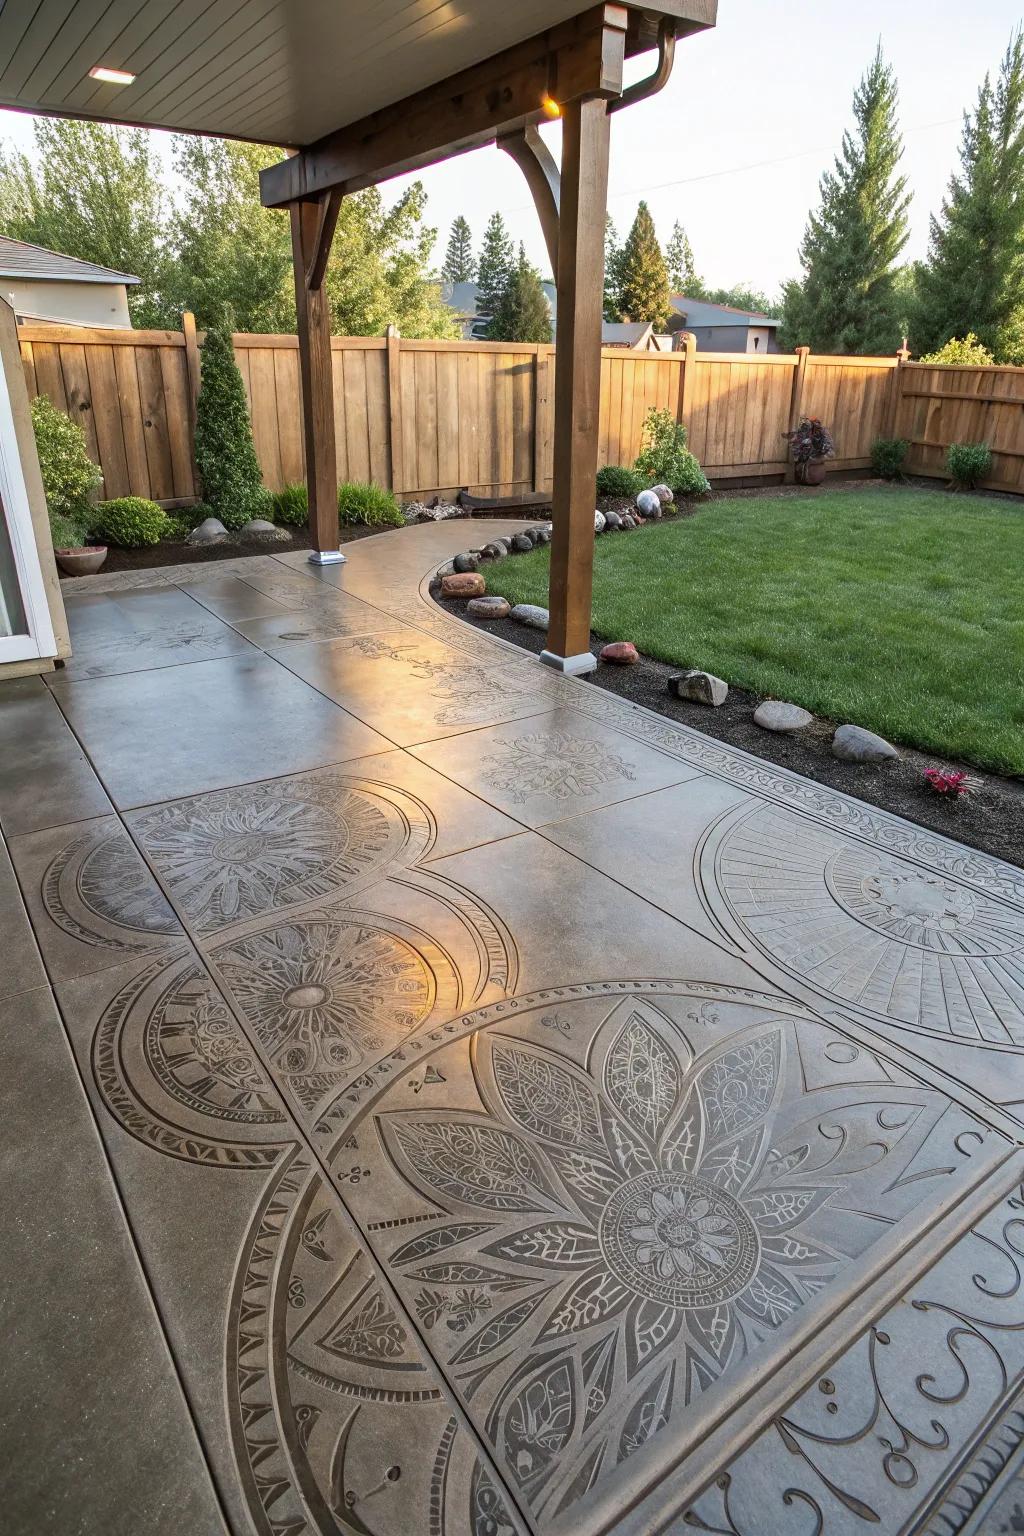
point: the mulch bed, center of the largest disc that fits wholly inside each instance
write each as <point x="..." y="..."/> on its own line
<point x="990" y="818"/>
<point x="175" y="552"/>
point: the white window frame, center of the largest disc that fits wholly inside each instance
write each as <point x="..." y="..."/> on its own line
<point x="39" y="642"/>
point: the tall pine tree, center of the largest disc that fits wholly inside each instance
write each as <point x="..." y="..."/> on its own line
<point x="973" y="279"/>
<point x="682" y="273"/>
<point x="523" y="312"/>
<point x="612" y="259"/>
<point x="642" y="281"/>
<point x="459" y="265"/>
<point x="497" y="258"/>
<point x="847" y="301"/>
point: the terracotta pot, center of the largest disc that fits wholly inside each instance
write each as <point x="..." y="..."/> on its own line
<point x="81" y="562"/>
<point x="810" y="472"/>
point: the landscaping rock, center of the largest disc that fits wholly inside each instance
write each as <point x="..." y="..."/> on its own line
<point x="531" y="534"/>
<point x="489" y="607"/>
<point x="521" y="543"/>
<point x="599" y="522"/>
<point x="775" y="715"/>
<point x="648" y="504"/>
<point x="421" y="512"/>
<point x="258" y="531"/>
<point x="210" y="531"/>
<point x="628" y="521"/>
<point x="612" y="520"/>
<point x="853" y="744"/>
<point x="623" y="653"/>
<point x="664" y="494"/>
<point x="463" y="584"/>
<point x="529" y="613"/>
<point x="544" y="535"/>
<point x="464" y="563"/>
<point x="495" y="550"/>
<point x="699" y="688"/>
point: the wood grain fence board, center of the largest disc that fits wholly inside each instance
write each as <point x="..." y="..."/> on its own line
<point x="377" y="416"/>
<point x="357" y="427"/>
<point x="468" y="368"/>
<point x="289" y="414"/>
<point x="106" y="410"/>
<point x="75" y="371"/>
<point x="265" y="415"/>
<point x="177" y="403"/>
<point x="448" y="423"/>
<point x="340" y="432"/>
<point x="425" y="373"/>
<point x="154" y="422"/>
<point x="130" y="405"/>
<point x="522" y="420"/>
<point x="29" y="362"/>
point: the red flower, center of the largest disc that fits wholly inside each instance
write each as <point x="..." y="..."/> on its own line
<point x="948" y="781"/>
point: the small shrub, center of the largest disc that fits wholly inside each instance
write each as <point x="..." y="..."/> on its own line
<point x="69" y="475"/>
<point x="620" y="480"/>
<point x="65" y="532"/>
<point x="368" y="504"/>
<point x="663" y="453"/>
<point x="225" y="456"/>
<point x="291" y="505"/>
<point x="968" y="463"/>
<point x="963" y="352"/>
<point x="130" y="521"/>
<point x="887" y="455"/>
<point x="690" y="479"/>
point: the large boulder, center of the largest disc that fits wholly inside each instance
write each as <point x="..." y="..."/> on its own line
<point x="598" y="522"/>
<point x="853" y="744"/>
<point x="210" y="531"/>
<point x="664" y="494"/>
<point x="521" y="543"/>
<point x="465" y="562"/>
<point x="612" y="520"/>
<point x="463" y="584"/>
<point x="648" y="504"/>
<point x="699" y="687"/>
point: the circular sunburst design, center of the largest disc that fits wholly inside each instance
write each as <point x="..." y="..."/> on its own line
<point x="99" y="890"/>
<point x="869" y="928"/>
<point x="238" y="853"/>
<point x="678" y="1239"/>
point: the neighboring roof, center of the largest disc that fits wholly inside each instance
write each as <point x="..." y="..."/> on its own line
<point x="625" y="333"/>
<point x="701" y="312"/>
<point x="464" y="298"/>
<point x="19" y="259"/>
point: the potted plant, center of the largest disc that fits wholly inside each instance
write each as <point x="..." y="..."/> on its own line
<point x="811" y="444"/>
<point x="73" y="555"/>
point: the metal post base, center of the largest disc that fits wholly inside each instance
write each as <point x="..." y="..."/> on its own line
<point x="572" y="666"/>
<point x="326" y="557"/>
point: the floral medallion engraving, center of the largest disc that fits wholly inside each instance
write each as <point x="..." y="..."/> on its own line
<point x="868" y="928"/>
<point x="554" y="764"/>
<point x="98" y="890"/>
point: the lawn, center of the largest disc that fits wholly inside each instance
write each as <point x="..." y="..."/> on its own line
<point x="895" y="608"/>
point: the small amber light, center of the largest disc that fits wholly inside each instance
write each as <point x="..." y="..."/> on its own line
<point x="550" y="106"/>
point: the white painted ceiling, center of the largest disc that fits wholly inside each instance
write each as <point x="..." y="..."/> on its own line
<point x="281" y="71"/>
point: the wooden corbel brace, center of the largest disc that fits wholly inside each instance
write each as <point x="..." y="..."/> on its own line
<point x="329" y="204"/>
<point x="537" y="163"/>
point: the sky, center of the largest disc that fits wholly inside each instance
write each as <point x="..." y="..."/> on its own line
<point x="735" y="144"/>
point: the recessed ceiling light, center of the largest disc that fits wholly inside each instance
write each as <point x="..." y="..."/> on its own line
<point x="112" y="76"/>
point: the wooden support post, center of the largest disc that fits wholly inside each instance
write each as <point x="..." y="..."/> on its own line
<point x="892" y="404"/>
<point x="394" y="354"/>
<point x="687" y="378"/>
<point x="796" y="403"/>
<point x="314" y="328"/>
<point x="584" y="193"/>
<point x="541" y="417"/>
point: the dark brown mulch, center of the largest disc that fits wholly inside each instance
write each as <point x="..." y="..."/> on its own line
<point x="175" y="552"/>
<point x="990" y="818"/>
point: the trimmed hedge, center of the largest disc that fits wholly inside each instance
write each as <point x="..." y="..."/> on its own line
<point x="131" y="521"/>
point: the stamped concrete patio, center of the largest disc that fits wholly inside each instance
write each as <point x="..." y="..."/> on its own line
<point x="444" y="1099"/>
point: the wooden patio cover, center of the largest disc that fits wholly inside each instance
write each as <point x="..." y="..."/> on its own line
<point x="367" y="90"/>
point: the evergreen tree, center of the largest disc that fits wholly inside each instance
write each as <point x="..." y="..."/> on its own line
<point x="523" y="312"/>
<point x="612" y="263"/>
<point x="459" y="265"/>
<point x="225" y="456"/>
<point x="682" y="274"/>
<point x="973" y="279"/>
<point x="497" y="258"/>
<point x="643" y="292"/>
<point x="93" y="192"/>
<point x="847" y="301"/>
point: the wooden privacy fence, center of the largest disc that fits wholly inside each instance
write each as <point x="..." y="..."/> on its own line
<point x="429" y="417"/>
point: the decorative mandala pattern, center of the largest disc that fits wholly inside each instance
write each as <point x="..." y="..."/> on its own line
<point x="99" y="891"/>
<point x="554" y="764"/>
<point x="866" y="928"/>
<point x="237" y="853"/>
<point x="325" y="992"/>
<point x="643" y="1201"/>
<point x="175" y="1070"/>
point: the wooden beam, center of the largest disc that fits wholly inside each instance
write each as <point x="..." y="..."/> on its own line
<point x="585" y="140"/>
<point x="314" y="327"/>
<point x="329" y="206"/>
<point x="576" y="60"/>
<point x="537" y="163"/>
